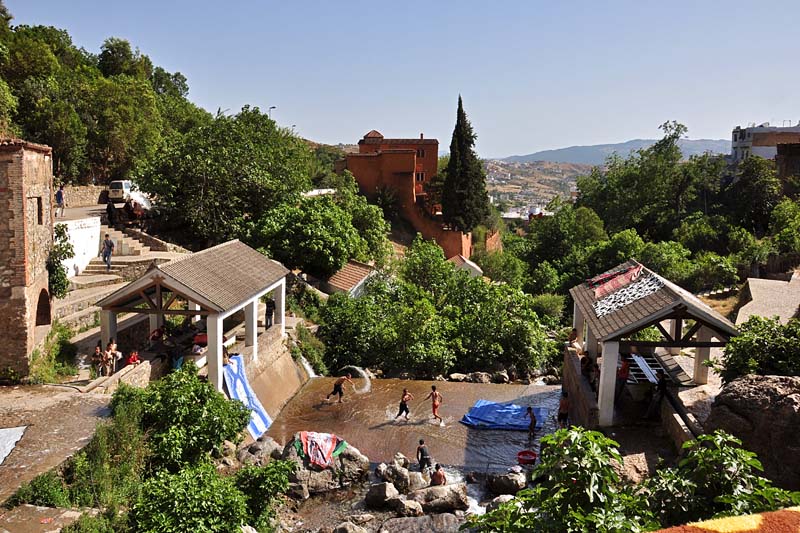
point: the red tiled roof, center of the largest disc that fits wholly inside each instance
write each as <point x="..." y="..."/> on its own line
<point x="349" y="276"/>
<point x="381" y="140"/>
<point x="9" y="143"/>
<point x="374" y="134"/>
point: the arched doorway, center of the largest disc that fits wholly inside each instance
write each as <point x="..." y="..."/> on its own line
<point x="43" y="309"/>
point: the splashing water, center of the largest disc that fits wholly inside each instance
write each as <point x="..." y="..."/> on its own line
<point x="367" y="382"/>
<point x="475" y="491"/>
<point x="307" y="367"/>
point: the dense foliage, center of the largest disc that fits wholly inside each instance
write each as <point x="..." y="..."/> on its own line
<point x="460" y="322"/>
<point x="186" y="418"/>
<point x="764" y="346"/>
<point x="62" y="249"/>
<point x="465" y="203"/>
<point x="55" y="358"/>
<point x="577" y="488"/>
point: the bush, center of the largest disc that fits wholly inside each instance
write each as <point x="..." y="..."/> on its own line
<point x="196" y="498"/>
<point x="260" y="485"/>
<point x="305" y="302"/>
<point x="57" y="282"/>
<point x="312" y="349"/>
<point x="549" y="307"/>
<point x="46" y="489"/>
<point x="56" y="358"/>
<point x="764" y="347"/>
<point x="185" y="417"/>
<point x="103" y="523"/>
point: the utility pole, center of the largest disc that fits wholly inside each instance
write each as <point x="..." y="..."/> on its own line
<point x="269" y="111"/>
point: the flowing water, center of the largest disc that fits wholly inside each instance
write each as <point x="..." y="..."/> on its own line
<point x="367" y="420"/>
<point x="307" y="367"/>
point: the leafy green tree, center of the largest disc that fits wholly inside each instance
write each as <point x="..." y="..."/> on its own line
<point x="57" y="280"/>
<point x="315" y="235"/>
<point x="503" y="267"/>
<point x="543" y="279"/>
<point x="758" y="191"/>
<point x="164" y="83"/>
<point x="117" y="58"/>
<point x="425" y="266"/>
<point x="8" y="107"/>
<point x="222" y="179"/>
<point x="785" y="226"/>
<point x="261" y="485"/>
<point x="764" y="346"/>
<point x="713" y="271"/>
<point x="669" y="259"/>
<point x="465" y="202"/>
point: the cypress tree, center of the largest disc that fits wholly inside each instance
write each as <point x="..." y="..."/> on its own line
<point x="465" y="203"/>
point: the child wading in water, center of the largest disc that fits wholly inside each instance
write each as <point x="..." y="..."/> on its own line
<point x="563" y="410"/>
<point x="532" y="427"/>
<point x="436" y="401"/>
<point x="404" y="399"/>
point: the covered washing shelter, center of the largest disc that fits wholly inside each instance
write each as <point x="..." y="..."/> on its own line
<point x="215" y="283"/>
<point x="612" y="307"/>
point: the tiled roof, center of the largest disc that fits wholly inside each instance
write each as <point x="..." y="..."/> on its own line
<point x="227" y="274"/>
<point x="349" y="276"/>
<point x="373" y="134"/>
<point x="657" y="297"/>
<point x="15" y="144"/>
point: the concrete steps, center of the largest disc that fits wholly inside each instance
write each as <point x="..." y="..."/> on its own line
<point x="81" y="299"/>
<point x="124" y="244"/>
<point x="90" y="281"/>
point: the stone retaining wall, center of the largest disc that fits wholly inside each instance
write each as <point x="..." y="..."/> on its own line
<point x="85" y="195"/>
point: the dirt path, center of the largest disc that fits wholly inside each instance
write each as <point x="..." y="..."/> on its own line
<point x="59" y="422"/>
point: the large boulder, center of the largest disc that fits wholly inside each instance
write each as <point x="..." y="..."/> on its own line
<point x="500" y="376"/>
<point x="349" y="527"/>
<point x="764" y="412"/>
<point x="438" y="523"/>
<point x="480" y="377"/>
<point x="379" y="494"/>
<point x="399" y="476"/>
<point x="351" y="466"/>
<point x="261" y="452"/>
<point x="401" y="460"/>
<point x="497" y="502"/>
<point x="508" y="483"/>
<point x="416" y="481"/>
<point x="442" y="499"/>
<point x="455" y="376"/>
<point x="405" y="507"/>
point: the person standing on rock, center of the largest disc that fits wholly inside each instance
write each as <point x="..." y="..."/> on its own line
<point x="423" y="456"/>
<point x="337" y="387"/>
<point x="404" y="399"/>
<point x="436" y="401"/>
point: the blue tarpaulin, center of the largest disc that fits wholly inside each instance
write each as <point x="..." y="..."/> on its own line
<point x="492" y="415"/>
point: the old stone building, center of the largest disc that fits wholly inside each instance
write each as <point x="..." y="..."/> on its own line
<point x="26" y="236"/>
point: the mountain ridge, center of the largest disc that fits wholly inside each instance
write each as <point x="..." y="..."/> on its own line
<point x="596" y="154"/>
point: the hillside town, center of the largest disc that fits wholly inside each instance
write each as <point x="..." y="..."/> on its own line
<point x="212" y="323"/>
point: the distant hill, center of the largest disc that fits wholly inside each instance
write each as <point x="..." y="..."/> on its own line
<point x="596" y="154"/>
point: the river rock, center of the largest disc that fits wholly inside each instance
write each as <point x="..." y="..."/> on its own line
<point x="508" y="483"/>
<point x="362" y="518"/>
<point x="500" y="377"/>
<point x="297" y="491"/>
<point x="405" y="507"/>
<point x="441" y="499"/>
<point x="401" y="460"/>
<point x="764" y="412"/>
<point x="551" y="380"/>
<point x="416" y="481"/>
<point x="261" y="452"/>
<point x="438" y="523"/>
<point x="379" y="494"/>
<point x="349" y="527"/>
<point x="495" y="503"/>
<point x="228" y="449"/>
<point x="458" y="377"/>
<point x="480" y="377"/>
<point x="398" y="476"/>
<point x="380" y="471"/>
<point x="350" y="466"/>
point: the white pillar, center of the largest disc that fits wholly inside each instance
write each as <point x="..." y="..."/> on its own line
<point x="591" y="344"/>
<point x="676" y="333"/>
<point x="108" y="327"/>
<point x="702" y="355"/>
<point x="251" y="326"/>
<point x="193" y="306"/>
<point x="153" y="321"/>
<point x="214" y="353"/>
<point x="279" y="295"/>
<point x="608" y="382"/>
<point x="577" y="320"/>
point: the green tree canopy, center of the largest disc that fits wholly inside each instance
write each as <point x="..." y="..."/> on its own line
<point x="465" y="203"/>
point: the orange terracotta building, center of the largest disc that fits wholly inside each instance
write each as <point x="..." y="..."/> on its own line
<point x="405" y="166"/>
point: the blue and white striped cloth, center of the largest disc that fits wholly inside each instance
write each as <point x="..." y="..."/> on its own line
<point x="240" y="389"/>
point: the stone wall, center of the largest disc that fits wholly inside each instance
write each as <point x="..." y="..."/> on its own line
<point x="583" y="409"/>
<point x="155" y="244"/>
<point x="26" y="236"/>
<point x="84" y="236"/>
<point x="85" y="195"/>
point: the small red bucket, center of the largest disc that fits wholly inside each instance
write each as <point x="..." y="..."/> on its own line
<point x="527" y="457"/>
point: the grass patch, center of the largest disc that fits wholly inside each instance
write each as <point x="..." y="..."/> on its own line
<point x="55" y="360"/>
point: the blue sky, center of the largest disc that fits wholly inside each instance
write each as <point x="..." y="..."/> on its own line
<point x="534" y="75"/>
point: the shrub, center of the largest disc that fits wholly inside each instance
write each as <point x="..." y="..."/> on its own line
<point x="549" y="307"/>
<point x="46" y="489"/>
<point x="102" y="523"/>
<point x="56" y="358"/>
<point x="765" y="347"/>
<point x="185" y="417"/>
<point x="312" y="349"/>
<point x="196" y="498"/>
<point x="260" y="485"/>
<point x="58" y="284"/>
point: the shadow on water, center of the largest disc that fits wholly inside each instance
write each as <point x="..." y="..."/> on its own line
<point x="367" y="421"/>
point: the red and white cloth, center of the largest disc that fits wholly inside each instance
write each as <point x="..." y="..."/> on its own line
<point x="319" y="447"/>
<point x="607" y="283"/>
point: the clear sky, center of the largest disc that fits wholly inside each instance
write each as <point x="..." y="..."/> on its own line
<point x="533" y="74"/>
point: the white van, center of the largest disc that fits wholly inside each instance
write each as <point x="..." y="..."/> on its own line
<point x="119" y="190"/>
